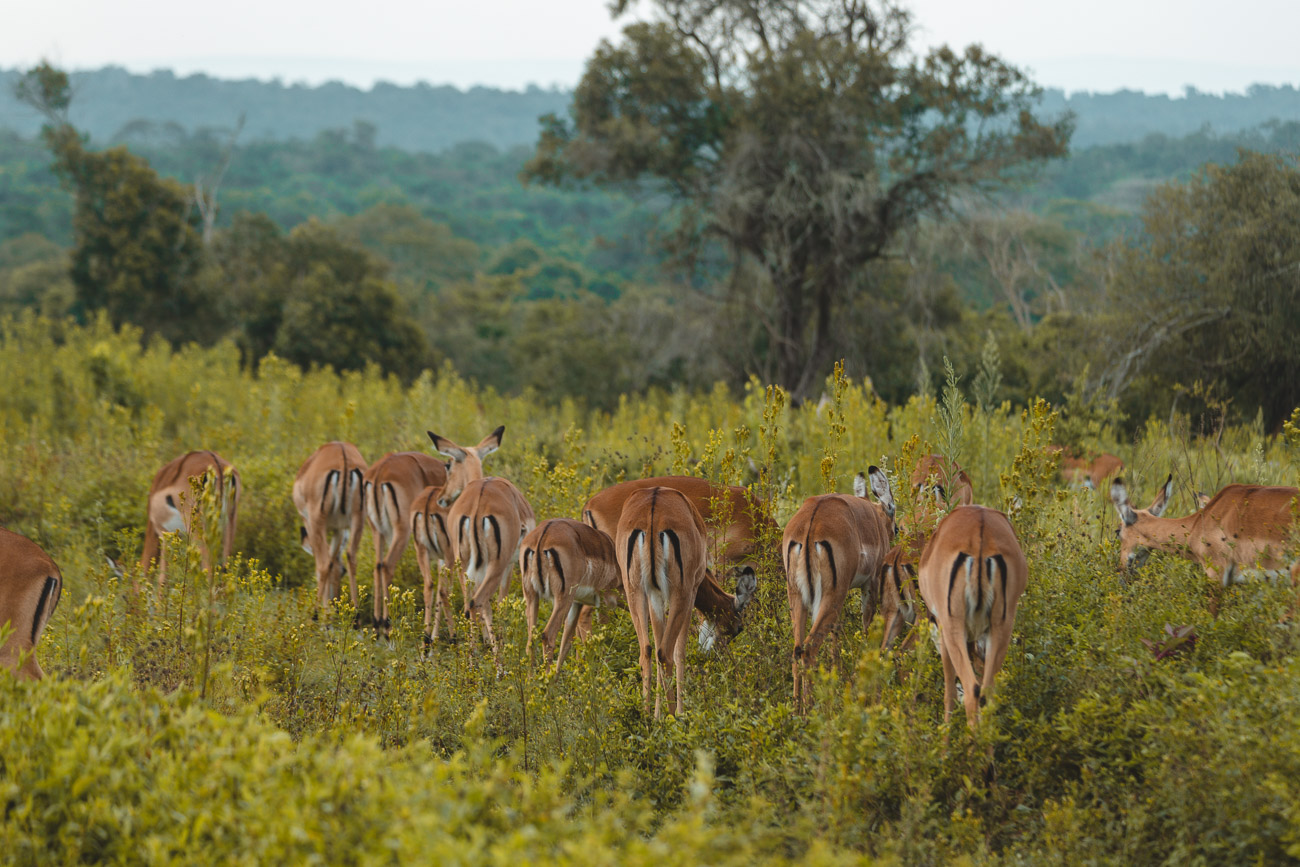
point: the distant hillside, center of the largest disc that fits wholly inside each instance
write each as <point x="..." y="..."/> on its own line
<point x="416" y="118"/>
<point x="424" y="118"/>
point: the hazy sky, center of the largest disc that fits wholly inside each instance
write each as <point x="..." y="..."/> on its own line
<point x="1152" y="45"/>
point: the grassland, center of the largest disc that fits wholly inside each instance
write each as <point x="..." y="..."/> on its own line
<point x="219" y="722"/>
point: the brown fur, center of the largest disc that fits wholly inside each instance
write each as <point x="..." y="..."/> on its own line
<point x="485" y="559"/>
<point x="30" y="587"/>
<point x="1242" y="527"/>
<point x="746" y="524"/>
<point x="953" y="483"/>
<point x="652" y="517"/>
<point x="433" y="542"/>
<point x="173" y="481"/>
<point x="561" y="560"/>
<point x="967" y="610"/>
<point x="833" y="544"/>
<point x="390" y="485"/>
<point x="327" y="492"/>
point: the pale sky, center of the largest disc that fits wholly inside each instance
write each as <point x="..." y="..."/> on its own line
<point x="1104" y="45"/>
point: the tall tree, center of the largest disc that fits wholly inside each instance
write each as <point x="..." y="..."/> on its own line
<point x="1212" y="291"/>
<point x="803" y="135"/>
<point x="137" y="249"/>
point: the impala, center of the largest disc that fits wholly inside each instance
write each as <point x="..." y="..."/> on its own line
<point x="172" y="507"/>
<point x="833" y="544"/>
<point x="433" y="543"/>
<point x="572" y="565"/>
<point x="30" y="587"/>
<point x="1240" y="531"/>
<point x="662" y="551"/>
<point x="389" y="486"/>
<point x="743" y="523"/>
<point x="1089" y="473"/>
<point x="466" y="462"/>
<point x="971" y="576"/>
<point x="487" y="522"/>
<point x="948" y="481"/>
<point x="897" y="594"/>
<point x="327" y="494"/>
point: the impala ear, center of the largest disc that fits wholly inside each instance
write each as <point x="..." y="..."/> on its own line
<point x="746" y="585"/>
<point x="447" y="447"/>
<point x="1119" y="496"/>
<point x="880" y="487"/>
<point x="490" y="443"/>
<point x="1202" y="499"/>
<point x="859" y="485"/>
<point x="1161" y="502"/>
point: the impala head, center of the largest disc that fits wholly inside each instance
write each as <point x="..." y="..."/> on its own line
<point x="466" y="462"/>
<point x="879" y="484"/>
<point x="1134" y="529"/>
<point x="720" y="632"/>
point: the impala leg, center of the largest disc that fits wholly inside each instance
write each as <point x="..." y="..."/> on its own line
<point x="639" y="609"/>
<point x="679" y="663"/>
<point x="557" y="620"/>
<point x="954" y="646"/>
<point x="949" y="685"/>
<point x="444" y="600"/>
<point x="481" y="603"/>
<point x="319" y="543"/>
<point x="799" y="625"/>
<point x="354" y="545"/>
<point x="584" y="620"/>
<point x="570" y="622"/>
<point x="672" y="640"/>
<point x="532" y="600"/>
<point x="430" y="606"/>
<point x="336" y="564"/>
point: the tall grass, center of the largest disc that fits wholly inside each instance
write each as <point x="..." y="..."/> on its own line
<point x="312" y="740"/>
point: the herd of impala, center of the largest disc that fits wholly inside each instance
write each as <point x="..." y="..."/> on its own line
<point x="643" y="545"/>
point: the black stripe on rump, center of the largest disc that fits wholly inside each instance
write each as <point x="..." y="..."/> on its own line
<point x="677" y="552"/>
<point x="331" y="477"/>
<point x="555" y="561"/>
<point x="631" y="544"/>
<point x="496" y="530"/>
<point x="50" y="589"/>
<point x="830" y="559"/>
<point x="952" y="578"/>
<point x="1002" y="572"/>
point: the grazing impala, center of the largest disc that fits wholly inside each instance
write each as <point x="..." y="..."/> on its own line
<point x="897" y="594"/>
<point x="833" y="544"/>
<point x="661" y="546"/>
<point x="572" y="565"/>
<point x="30" y="587"/>
<point x="1240" y="531"/>
<point x="746" y="524"/>
<point x="1088" y="473"/>
<point x="172" y="507"/>
<point x="327" y="494"/>
<point x="389" y="487"/>
<point x="948" y="481"/>
<point x="433" y="550"/>
<point x="487" y="522"/>
<point x="972" y="574"/>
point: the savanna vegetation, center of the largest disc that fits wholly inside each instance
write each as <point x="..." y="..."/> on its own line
<point x="221" y="715"/>
<point x="643" y="293"/>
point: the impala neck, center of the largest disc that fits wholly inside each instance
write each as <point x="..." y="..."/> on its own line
<point x="1171" y="535"/>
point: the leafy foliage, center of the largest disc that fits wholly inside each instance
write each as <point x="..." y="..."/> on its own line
<point x="805" y="137"/>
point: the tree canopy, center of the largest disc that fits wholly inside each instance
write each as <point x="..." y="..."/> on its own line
<point x="803" y="137"/>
